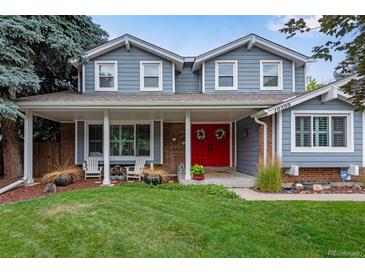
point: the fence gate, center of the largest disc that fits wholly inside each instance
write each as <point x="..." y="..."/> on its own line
<point x="46" y="155"/>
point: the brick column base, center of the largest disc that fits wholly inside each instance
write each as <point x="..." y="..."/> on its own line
<point x="173" y="146"/>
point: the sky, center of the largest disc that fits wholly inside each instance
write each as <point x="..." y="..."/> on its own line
<point x="194" y="35"/>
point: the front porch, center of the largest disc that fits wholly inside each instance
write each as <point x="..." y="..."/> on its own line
<point x="226" y="178"/>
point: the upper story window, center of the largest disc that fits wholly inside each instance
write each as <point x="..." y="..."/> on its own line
<point x="106" y="76"/>
<point x="226" y="75"/>
<point x="151" y="76"/>
<point x="322" y="132"/>
<point x="271" y="75"/>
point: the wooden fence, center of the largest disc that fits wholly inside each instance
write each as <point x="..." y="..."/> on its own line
<point x="46" y="156"/>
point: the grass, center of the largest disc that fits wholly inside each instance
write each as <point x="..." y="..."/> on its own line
<point x="269" y="177"/>
<point x="177" y="221"/>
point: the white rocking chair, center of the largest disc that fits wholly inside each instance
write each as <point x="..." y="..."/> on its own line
<point x="92" y="168"/>
<point x="136" y="171"/>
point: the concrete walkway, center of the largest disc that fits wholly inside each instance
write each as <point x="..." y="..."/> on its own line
<point x="251" y="195"/>
<point x="229" y="179"/>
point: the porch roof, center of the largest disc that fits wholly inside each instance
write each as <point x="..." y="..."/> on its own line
<point x="99" y="99"/>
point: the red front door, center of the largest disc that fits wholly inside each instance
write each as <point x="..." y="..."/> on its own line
<point x="210" y="144"/>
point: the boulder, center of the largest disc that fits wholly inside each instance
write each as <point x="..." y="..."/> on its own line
<point x="356" y="187"/>
<point x="298" y="186"/>
<point x="317" y="188"/>
<point x="50" y="188"/>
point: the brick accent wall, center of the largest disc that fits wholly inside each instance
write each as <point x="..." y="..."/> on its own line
<point x="268" y="121"/>
<point x="320" y="175"/>
<point x="67" y="143"/>
<point x="173" y="150"/>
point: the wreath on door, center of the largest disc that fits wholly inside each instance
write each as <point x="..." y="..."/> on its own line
<point x="200" y="134"/>
<point x="220" y="133"/>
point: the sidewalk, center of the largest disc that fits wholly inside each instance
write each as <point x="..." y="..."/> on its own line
<point x="251" y="195"/>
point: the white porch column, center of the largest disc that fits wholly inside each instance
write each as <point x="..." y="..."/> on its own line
<point x="106" y="148"/>
<point x="187" y="145"/>
<point x="28" y="147"/>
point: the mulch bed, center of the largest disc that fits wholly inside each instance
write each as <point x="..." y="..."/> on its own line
<point x="36" y="190"/>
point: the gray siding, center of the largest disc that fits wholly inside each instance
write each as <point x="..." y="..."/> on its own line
<point x="156" y="145"/>
<point x="157" y="142"/>
<point x="248" y="69"/>
<point x="80" y="142"/>
<point x="247" y="147"/>
<point x="321" y="159"/>
<point x="299" y="79"/>
<point x="187" y="81"/>
<point x="128" y="69"/>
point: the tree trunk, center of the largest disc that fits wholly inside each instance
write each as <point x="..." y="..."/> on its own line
<point x="11" y="149"/>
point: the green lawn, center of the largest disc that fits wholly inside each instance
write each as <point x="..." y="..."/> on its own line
<point x="177" y="221"/>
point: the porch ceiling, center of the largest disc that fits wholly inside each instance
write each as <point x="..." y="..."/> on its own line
<point x="205" y="115"/>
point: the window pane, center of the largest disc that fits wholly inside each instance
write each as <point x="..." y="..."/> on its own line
<point x="143" y="140"/>
<point x="127" y="140"/>
<point x="225" y="69"/>
<point x="106" y="70"/>
<point x="320" y="131"/>
<point x="151" y="82"/>
<point x="225" y="81"/>
<point x="106" y="82"/>
<point x="115" y="144"/>
<point x="339" y="131"/>
<point x="302" y="131"/>
<point x="151" y="69"/>
<point x="271" y="69"/>
<point x="95" y="140"/>
<point x="270" y="81"/>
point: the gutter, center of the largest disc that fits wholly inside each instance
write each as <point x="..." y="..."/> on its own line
<point x="265" y="137"/>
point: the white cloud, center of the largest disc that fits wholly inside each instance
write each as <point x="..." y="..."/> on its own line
<point x="279" y="21"/>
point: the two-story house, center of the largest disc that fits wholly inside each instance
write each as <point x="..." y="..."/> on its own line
<point x="234" y="106"/>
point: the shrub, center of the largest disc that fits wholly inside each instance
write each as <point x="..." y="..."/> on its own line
<point x="269" y="177"/>
<point x="197" y="170"/>
<point x="63" y="175"/>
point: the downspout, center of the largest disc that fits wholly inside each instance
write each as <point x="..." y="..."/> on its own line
<point x="265" y="137"/>
<point x="20" y="181"/>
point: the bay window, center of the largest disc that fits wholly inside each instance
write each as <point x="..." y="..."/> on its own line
<point x="322" y="132"/>
<point x="126" y="141"/>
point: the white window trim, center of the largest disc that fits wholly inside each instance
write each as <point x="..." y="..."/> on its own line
<point x="97" y="82"/>
<point x="280" y="75"/>
<point x="141" y="76"/>
<point x="117" y="122"/>
<point x="235" y="73"/>
<point x="313" y="113"/>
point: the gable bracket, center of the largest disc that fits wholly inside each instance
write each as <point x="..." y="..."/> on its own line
<point x="251" y="43"/>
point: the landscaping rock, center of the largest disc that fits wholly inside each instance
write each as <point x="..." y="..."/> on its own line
<point x="356" y="187"/>
<point x="50" y="188"/>
<point x="298" y="186"/>
<point x="326" y="186"/>
<point x="317" y="188"/>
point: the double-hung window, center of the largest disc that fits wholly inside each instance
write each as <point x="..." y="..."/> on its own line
<point x="151" y="76"/>
<point x="322" y="132"/>
<point x="271" y="75"/>
<point x="106" y="76"/>
<point x="126" y="140"/>
<point x="226" y="75"/>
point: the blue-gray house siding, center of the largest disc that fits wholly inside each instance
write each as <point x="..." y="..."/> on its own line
<point x="249" y="69"/>
<point x="187" y="81"/>
<point x="330" y="159"/>
<point x="247" y="146"/>
<point x="129" y="69"/>
<point x="81" y="145"/>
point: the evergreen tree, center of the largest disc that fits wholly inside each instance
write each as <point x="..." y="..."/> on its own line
<point x="34" y="59"/>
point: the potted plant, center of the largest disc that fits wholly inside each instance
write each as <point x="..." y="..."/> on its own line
<point x="154" y="176"/>
<point x="198" y="172"/>
<point x="62" y="175"/>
